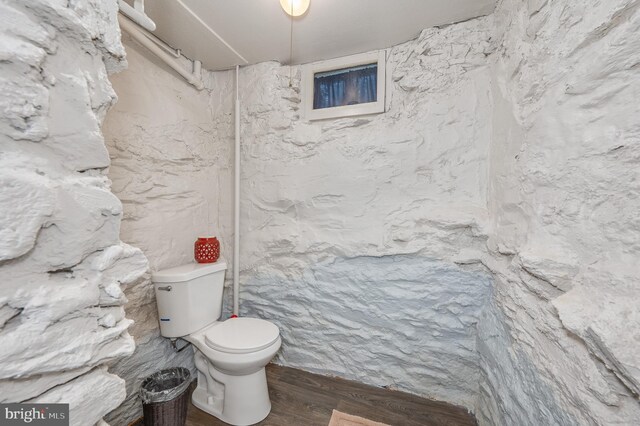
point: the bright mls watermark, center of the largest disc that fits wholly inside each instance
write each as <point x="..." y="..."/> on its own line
<point x="34" y="414"/>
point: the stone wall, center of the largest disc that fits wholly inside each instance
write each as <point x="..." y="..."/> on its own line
<point x="508" y="158"/>
<point x="62" y="265"/>
<point x="560" y="345"/>
<point x="476" y="243"/>
<point x="354" y="231"/>
<point x="171" y="148"/>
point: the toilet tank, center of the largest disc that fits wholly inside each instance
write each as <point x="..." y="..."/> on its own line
<point x="189" y="297"/>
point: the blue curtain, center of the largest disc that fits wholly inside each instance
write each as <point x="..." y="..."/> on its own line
<point x="348" y="87"/>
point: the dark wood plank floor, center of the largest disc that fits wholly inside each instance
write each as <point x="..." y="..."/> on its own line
<point x="299" y="398"/>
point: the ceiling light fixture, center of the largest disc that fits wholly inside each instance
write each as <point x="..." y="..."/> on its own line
<point x="295" y="7"/>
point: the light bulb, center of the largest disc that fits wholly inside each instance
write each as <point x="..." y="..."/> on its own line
<point x="295" y="7"/>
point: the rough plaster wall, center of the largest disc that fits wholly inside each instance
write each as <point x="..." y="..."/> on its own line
<point x="351" y="228"/>
<point x="171" y="149"/>
<point x="561" y="344"/>
<point x="62" y="264"/>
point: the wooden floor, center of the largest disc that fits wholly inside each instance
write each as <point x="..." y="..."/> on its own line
<point x="299" y="398"/>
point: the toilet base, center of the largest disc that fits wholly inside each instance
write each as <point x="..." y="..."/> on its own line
<point x="237" y="400"/>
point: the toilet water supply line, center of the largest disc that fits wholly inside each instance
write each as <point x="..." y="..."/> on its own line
<point x="236" y="211"/>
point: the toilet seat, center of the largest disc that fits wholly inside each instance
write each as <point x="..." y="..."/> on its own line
<point x="241" y="335"/>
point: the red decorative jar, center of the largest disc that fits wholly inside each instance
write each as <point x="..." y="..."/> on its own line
<point x="206" y="249"/>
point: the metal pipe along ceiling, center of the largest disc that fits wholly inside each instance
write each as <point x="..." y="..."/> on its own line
<point x="193" y="78"/>
<point x="137" y="15"/>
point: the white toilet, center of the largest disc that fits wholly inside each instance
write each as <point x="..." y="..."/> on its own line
<point x="230" y="355"/>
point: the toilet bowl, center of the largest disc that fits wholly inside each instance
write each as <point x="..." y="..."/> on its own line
<point x="230" y="358"/>
<point x="230" y="355"/>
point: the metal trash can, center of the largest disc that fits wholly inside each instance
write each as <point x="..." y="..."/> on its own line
<point x="165" y="397"/>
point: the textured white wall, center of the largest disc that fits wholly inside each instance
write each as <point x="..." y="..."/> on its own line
<point x="351" y="228"/>
<point x="62" y="264"/>
<point x="171" y="148"/>
<point x="360" y="235"/>
<point x="363" y="238"/>
<point x="561" y="343"/>
<point x="476" y="243"/>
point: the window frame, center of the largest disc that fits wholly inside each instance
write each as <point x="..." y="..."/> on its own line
<point x="309" y="71"/>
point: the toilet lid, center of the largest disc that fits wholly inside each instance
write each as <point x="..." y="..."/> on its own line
<point x="242" y="335"/>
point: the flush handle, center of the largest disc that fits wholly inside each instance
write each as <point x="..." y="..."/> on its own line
<point x="165" y="288"/>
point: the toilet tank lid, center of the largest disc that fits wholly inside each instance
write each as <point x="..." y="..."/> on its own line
<point x="187" y="272"/>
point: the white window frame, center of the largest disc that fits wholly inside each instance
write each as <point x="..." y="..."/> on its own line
<point x="309" y="70"/>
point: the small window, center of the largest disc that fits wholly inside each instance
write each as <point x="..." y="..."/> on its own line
<point x="344" y="87"/>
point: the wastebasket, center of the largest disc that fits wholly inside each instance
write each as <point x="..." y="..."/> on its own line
<point x="165" y="397"/>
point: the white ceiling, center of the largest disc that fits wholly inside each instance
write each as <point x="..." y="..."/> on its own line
<point x="251" y="31"/>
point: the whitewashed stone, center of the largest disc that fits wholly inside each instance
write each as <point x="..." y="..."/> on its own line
<point x="87" y="219"/>
<point x="604" y="324"/>
<point x="23" y="48"/>
<point x="477" y="161"/>
<point x="90" y="396"/>
<point x="351" y="228"/>
<point x="509" y="147"/>
<point x="41" y="332"/>
<point x="564" y="244"/>
<point x="61" y="261"/>
<point x="22" y="221"/>
<point x="404" y="322"/>
<point x="520" y="159"/>
<point x="77" y="142"/>
<point x="171" y="148"/>
<point x="511" y="381"/>
<point x="12" y="390"/>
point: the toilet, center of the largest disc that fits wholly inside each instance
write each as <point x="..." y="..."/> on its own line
<point x="230" y="355"/>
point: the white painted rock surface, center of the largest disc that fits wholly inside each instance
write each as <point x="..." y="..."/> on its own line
<point x="404" y="322"/>
<point x="171" y="148"/>
<point x="350" y="227"/>
<point x="561" y="343"/>
<point x="477" y="243"/>
<point x="62" y="265"/>
<point x="509" y="143"/>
